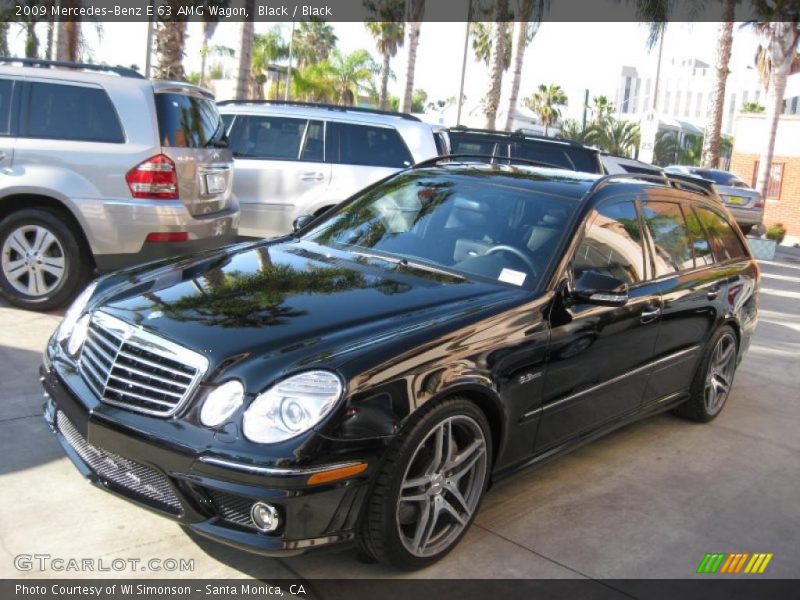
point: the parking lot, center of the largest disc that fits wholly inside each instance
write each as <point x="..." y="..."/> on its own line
<point x="646" y="502"/>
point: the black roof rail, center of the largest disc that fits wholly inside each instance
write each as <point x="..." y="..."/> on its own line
<point x="66" y="64"/>
<point x="494" y="158"/>
<point x="358" y="109"/>
<point x="663" y="179"/>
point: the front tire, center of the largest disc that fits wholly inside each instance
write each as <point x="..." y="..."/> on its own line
<point x="714" y="378"/>
<point x="429" y="486"/>
<point x="42" y="266"/>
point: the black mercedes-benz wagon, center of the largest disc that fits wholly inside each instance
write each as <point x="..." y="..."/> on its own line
<point x="365" y="379"/>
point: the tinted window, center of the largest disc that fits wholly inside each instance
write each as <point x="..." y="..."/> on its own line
<point x="673" y="251"/>
<point x="612" y="245"/>
<point x="276" y="138"/>
<point x="463" y="224"/>
<point x="560" y="155"/>
<point x="71" y="112"/>
<point x="187" y="121"/>
<point x="701" y="247"/>
<point x="366" y="145"/>
<point x="226" y="121"/>
<point x="725" y="242"/>
<point x="314" y="142"/>
<point x="719" y="177"/>
<point x="5" y="105"/>
<point x="465" y="143"/>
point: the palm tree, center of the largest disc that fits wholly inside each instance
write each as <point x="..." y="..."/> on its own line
<point x="752" y="107"/>
<point x="416" y="11"/>
<point x="498" y="61"/>
<point x="575" y="131"/>
<point x="245" y="53"/>
<point x="388" y="31"/>
<point x="170" y="42"/>
<point x="547" y="102"/>
<point x="313" y="42"/>
<point x="481" y="35"/>
<point x="776" y="57"/>
<point x="267" y="48"/>
<point x="711" y="142"/>
<point x="525" y="28"/>
<point x="209" y="27"/>
<point x="602" y="110"/>
<point x="666" y="148"/>
<point x="618" y="137"/>
<point x="341" y="78"/>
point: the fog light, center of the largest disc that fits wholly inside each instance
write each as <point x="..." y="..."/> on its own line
<point x="265" y="516"/>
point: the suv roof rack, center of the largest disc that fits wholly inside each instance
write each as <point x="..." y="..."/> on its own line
<point x="357" y="109"/>
<point x="519" y="133"/>
<point x="66" y="64"/>
<point x="664" y="179"/>
<point x="494" y="157"/>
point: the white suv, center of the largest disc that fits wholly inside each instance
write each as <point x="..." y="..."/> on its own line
<point x="294" y="159"/>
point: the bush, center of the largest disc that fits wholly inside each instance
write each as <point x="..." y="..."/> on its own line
<point x="776" y="232"/>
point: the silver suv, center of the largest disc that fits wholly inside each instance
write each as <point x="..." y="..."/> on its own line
<point x="100" y="169"/>
<point x="296" y="159"/>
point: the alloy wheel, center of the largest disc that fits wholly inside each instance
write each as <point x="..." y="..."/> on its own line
<point x="442" y="486"/>
<point x="719" y="377"/>
<point x="33" y="260"/>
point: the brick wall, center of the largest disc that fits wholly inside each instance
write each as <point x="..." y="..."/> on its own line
<point x="786" y="208"/>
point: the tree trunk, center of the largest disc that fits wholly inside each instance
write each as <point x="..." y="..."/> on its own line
<point x="68" y="39"/>
<point x="170" y="48"/>
<point x="384" y="93"/>
<point x="245" y="60"/>
<point x="4" y="38"/>
<point x="31" y="41"/>
<point x="413" y="42"/>
<point x="711" y="142"/>
<point x="499" y="30"/>
<point x="781" y="54"/>
<point x="51" y="35"/>
<point x="520" y="43"/>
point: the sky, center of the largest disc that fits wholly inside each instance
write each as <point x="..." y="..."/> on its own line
<point x="575" y="55"/>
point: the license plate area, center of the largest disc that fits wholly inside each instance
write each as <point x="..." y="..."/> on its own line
<point x="736" y="200"/>
<point x="216" y="183"/>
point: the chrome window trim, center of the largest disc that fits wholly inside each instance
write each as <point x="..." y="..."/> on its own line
<point x="136" y="335"/>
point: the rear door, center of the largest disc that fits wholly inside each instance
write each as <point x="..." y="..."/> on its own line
<point x="190" y="131"/>
<point x="280" y="170"/>
<point x="689" y="283"/>
<point x="360" y="155"/>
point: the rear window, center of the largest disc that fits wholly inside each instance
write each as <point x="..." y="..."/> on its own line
<point x="725" y="242"/>
<point x="71" y="112"/>
<point x="187" y="121"/>
<point x="671" y="237"/>
<point x="366" y="145"/>
<point x="719" y="177"/>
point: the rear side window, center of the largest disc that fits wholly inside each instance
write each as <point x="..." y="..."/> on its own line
<point x="559" y="155"/>
<point x="464" y="143"/>
<point x="726" y="244"/>
<point x="612" y="245"/>
<point x="71" y="112"/>
<point x="671" y="238"/>
<point x="703" y="255"/>
<point x="187" y="121"/>
<point x="6" y="86"/>
<point x="366" y="145"/>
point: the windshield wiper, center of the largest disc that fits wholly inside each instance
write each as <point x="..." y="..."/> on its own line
<point x="413" y="264"/>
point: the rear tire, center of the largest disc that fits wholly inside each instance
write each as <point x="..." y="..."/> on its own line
<point x="713" y="379"/>
<point x="429" y="486"/>
<point x="746" y="229"/>
<point x="42" y="264"/>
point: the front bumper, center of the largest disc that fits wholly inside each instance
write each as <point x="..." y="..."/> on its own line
<point x="210" y="499"/>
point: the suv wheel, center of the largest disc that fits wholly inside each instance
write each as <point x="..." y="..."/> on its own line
<point x="429" y="487"/>
<point x="714" y="378"/>
<point x="41" y="263"/>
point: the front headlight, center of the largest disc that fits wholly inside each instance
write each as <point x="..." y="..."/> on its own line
<point x="74" y="313"/>
<point x="292" y="407"/>
<point x="221" y="403"/>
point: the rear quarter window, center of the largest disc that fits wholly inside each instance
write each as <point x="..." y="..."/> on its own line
<point x="71" y="112"/>
<point x="186" y="121"/>
<point x="724" y="240"/>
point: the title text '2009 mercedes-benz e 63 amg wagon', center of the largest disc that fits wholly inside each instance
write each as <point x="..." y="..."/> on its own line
<point x="366" y="378"/>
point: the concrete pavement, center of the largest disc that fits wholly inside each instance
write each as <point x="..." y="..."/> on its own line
<point x="645" y="502"/>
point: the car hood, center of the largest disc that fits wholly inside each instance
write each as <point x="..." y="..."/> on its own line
<point x="292" y="302"/>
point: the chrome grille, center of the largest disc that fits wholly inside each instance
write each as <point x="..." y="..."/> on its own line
<point x="131" y="368"/>
<point x="137" y="480"/>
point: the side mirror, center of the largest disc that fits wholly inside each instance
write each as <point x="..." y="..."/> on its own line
<point x="301" y="222"/>
<point x="601" y="290"/>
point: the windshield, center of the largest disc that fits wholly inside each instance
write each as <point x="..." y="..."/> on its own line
<point x="496" y="229"/>
<point x="720" y="177"/>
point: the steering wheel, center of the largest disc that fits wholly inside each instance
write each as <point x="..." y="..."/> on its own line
<point x="516" y="252"/>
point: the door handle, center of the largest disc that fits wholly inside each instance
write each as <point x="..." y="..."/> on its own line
<point x="650" y="314"/>
<point x="313" y="176"/>
<point x="713" y="293"/>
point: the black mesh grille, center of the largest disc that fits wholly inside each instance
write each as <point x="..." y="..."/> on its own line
<point x="232" y="508"/>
